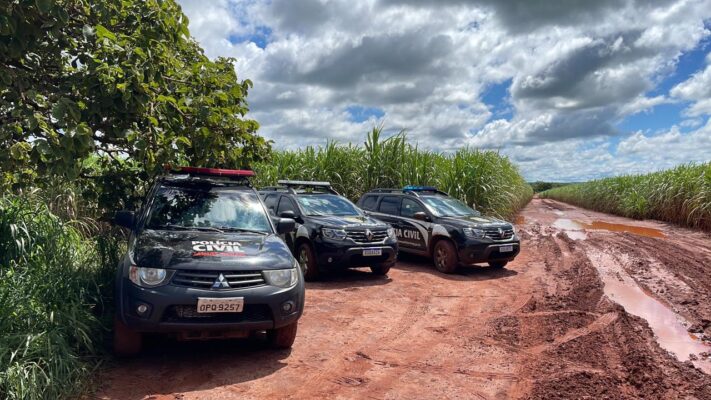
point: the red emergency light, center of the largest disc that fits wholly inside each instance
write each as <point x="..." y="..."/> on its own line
<point x="211" y="171"/>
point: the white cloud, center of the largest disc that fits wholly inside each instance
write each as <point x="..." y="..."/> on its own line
<point x="576" y="70"/>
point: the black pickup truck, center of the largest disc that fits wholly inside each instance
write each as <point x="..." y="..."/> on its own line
<point x="204" y="261"/>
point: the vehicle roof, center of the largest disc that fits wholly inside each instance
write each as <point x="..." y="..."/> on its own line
<point x="407" y="192"/>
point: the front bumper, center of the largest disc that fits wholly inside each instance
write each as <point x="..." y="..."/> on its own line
<point x="331" y="255"/>
<point x="474" y="251"/>
<point x="169" y="308"/>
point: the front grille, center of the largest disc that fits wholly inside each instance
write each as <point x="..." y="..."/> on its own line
<point x="499" y="233"/>
<point x="189" y="314"/>
<point x="207" y="279"/>
<point x="361" y="236"/>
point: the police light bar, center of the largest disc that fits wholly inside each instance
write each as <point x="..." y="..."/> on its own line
<point x="413" y="188"/>
<point x="303" y="183"/>
<point x="212" y="171"/>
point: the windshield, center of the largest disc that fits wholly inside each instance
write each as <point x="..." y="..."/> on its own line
<point x="207" y="208"/>
<point x="327" y="204"/>
<point x="448" y="207"/>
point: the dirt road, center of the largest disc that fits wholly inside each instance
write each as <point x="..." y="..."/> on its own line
<point x="549" y="326"/>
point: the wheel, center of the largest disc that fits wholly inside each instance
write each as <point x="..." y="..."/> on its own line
<point x="126" y="342"/>
<point x="445" y="256"/>
<point x="282" y="338"/>
<point x="498" y="264"/>
<point x="307" y="261"/>
<point x="381" y="269"/>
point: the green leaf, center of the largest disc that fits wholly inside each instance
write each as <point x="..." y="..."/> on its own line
<point x="103" y="33"/>
<point x="44" y="6"/>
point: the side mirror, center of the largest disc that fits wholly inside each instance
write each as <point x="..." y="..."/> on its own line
<point x="287" y="214"/>
<point x="285" y="225"/>
<point x="124" y="218"/>
<point x="421" y="215"/>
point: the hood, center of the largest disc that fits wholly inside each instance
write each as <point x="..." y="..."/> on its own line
<point x="211" y="251"/>
<point x="480" y="221"/>
<point x="363" y="221"/>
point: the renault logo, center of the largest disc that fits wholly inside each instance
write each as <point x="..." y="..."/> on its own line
<point x="501" y="232"/>
<point x="369" y="235"/>
<point x="220" y="283"/>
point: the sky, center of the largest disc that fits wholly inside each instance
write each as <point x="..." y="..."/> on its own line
<point x="569" y="90"/>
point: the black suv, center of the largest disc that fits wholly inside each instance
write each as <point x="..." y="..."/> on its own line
<point x="204" y="261"/>
<point x="331" y="231"/>
<point x="429" y="222"/>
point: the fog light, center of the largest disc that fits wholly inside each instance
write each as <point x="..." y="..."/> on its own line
<point x="330" y="259"/>
<point x="142" y="309"/>
<point x="288" y="306"/>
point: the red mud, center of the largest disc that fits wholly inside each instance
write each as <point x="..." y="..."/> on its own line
<point x="543" y="328"/>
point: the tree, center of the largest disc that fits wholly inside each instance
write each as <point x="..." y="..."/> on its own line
<point x="106" y="92"/>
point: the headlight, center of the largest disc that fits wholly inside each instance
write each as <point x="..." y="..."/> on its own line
<point x="474" y="233"/>
<point x="333" y="234"/>
<point x="147" y="277"/>
<point x="391" y="232"/>
<point x="281" y="277"/>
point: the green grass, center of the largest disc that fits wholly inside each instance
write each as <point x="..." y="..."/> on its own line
<point x="484" y="178"/>
<point x="681" y="195"/>
<point x="54" y="283"/>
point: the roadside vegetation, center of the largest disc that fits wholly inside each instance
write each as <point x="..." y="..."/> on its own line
<point x="486" y="179"/>
<point x="55" y="289"/>
<point x="681" y="195"/>
<point x="540" y="186"/>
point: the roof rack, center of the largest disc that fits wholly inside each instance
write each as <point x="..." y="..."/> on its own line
<point x="277" y="189"/>
<point x="289" y="184"/>
<point x="411" y="190"/>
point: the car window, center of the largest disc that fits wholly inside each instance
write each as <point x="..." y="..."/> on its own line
<point x="206" y="207"/>
<point x="285" y="204"/>
<point x="410" y="207"/>
<point x="390" y="205"/>
<point x="327" y="204"/>
<point x="448" y="207"/>
<point x="369" y="202"/>
<point x="271" y="202"/>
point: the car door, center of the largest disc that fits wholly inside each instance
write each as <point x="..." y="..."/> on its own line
<point x="415" y="233"/>
<point x="388" y="210"/>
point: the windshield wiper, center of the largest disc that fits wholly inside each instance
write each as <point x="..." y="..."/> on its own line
<point x="189" y="228"/>
<point x="232" y="229"/>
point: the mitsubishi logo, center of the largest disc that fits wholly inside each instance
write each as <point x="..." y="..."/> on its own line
<point x="220" y="283"/>
<point x="369" y="235"/>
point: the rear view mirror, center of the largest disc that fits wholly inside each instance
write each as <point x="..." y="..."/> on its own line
<point x="287" y="214"/>
<point x="421" y="215"/>
<point x="285" y="225"/>
<point x="124" y="218"/>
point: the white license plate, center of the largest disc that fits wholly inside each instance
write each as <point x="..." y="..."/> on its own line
<point x="505" y="249"/>
<point x="372" y="252"/>
<point x="226" y="304"/>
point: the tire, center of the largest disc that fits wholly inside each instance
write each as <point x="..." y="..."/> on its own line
<point x="498" y="264"/>
<point x="445" y="257"/>
<point x="381" y="269"/>
<point x="282" y="338"/>
<point x="307" y="261"/>
<point x="126" y="342"/>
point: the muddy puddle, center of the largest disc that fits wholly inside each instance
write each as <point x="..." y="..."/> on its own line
<point x="576" y="229"/>
<point x="671" y="334"/>
<point x="573" y="229"/>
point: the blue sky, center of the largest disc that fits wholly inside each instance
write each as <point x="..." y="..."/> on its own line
<point x="581" y="90"/>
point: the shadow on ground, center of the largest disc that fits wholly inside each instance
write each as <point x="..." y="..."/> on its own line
<point x="168" y="367"/>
